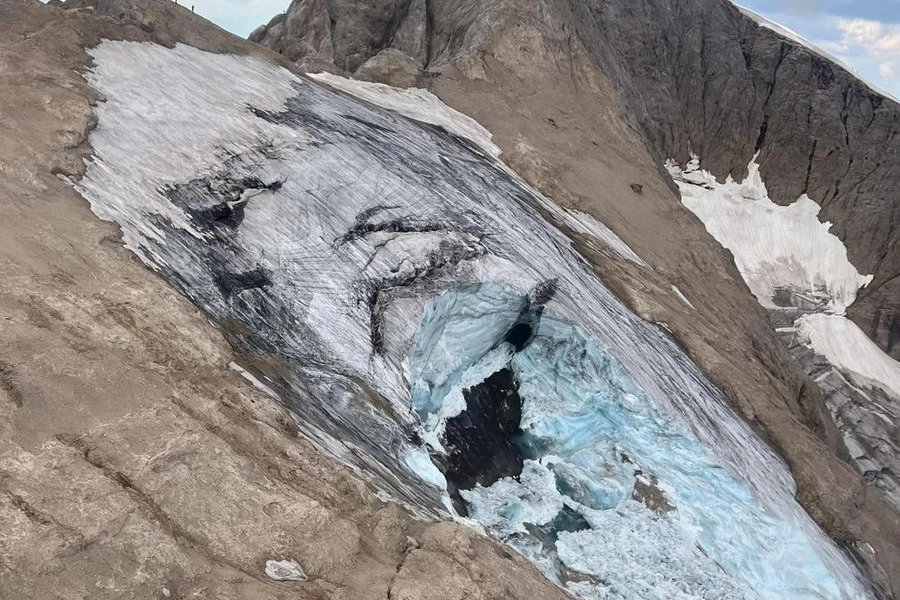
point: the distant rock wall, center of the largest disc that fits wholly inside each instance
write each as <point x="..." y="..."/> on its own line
<point x="703" y="76"/>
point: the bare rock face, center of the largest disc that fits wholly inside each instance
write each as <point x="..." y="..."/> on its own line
<point x="732" y="88"/>
<point x="393" y="67"/>
<point x="586" y="99"/>
<point x="301" y="33"/>
<point x="351" y="33"/>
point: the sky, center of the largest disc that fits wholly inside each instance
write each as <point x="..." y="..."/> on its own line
<point x="238" y="16"/>
<point x="863" y="34"/>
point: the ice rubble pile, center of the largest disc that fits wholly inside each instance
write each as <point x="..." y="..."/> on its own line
<point x="590" y="437"/>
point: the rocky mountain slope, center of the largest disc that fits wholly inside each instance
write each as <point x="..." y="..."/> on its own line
<point x="731" y="88"/>
<point x="133" y="462"/>
<point x="454" y="337"/>
<point x="587" y="100"/>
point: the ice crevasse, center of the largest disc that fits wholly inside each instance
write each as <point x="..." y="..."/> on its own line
<point x="615" y="499"/>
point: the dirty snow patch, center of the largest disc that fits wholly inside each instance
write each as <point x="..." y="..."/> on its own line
<point x="415" y="103"/>
<point x="285" y="570"/>
<point x="586" y="224"/>
<point x="847" y="347"/>
<point x="775" y="247"/>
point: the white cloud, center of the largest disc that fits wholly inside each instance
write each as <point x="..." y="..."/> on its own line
<point x="868" y="48"/>
<point x="880" y="37"/>
<point x="873" y="41"/>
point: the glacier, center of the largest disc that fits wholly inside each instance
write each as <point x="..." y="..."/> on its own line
<point x="588" y="433"/>
<point x="382" y="276"/>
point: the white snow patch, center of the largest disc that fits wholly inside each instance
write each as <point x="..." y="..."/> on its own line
<point x="847" y="347"/>
<point x="681" y="296"/>
<point x="415" y="103"/>
<point x="173" y="139"/>
<point x="788" y="247"/>
<point x="252" y="379"/>
<point x="285" y="570"/>
<point x="774" y="246"/>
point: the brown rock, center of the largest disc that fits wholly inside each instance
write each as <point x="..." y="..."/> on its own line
<point x="392" y="67"/>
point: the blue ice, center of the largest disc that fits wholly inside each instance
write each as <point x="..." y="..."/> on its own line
<point x="589" y="433"/>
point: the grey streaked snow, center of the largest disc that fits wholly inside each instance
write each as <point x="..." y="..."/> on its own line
<point x="422" y="105"/>
<point x="584" y="223"/>
<point x="415" y="103"/>
<point x="848" y="348"/>
<point x="178" y="118"/>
